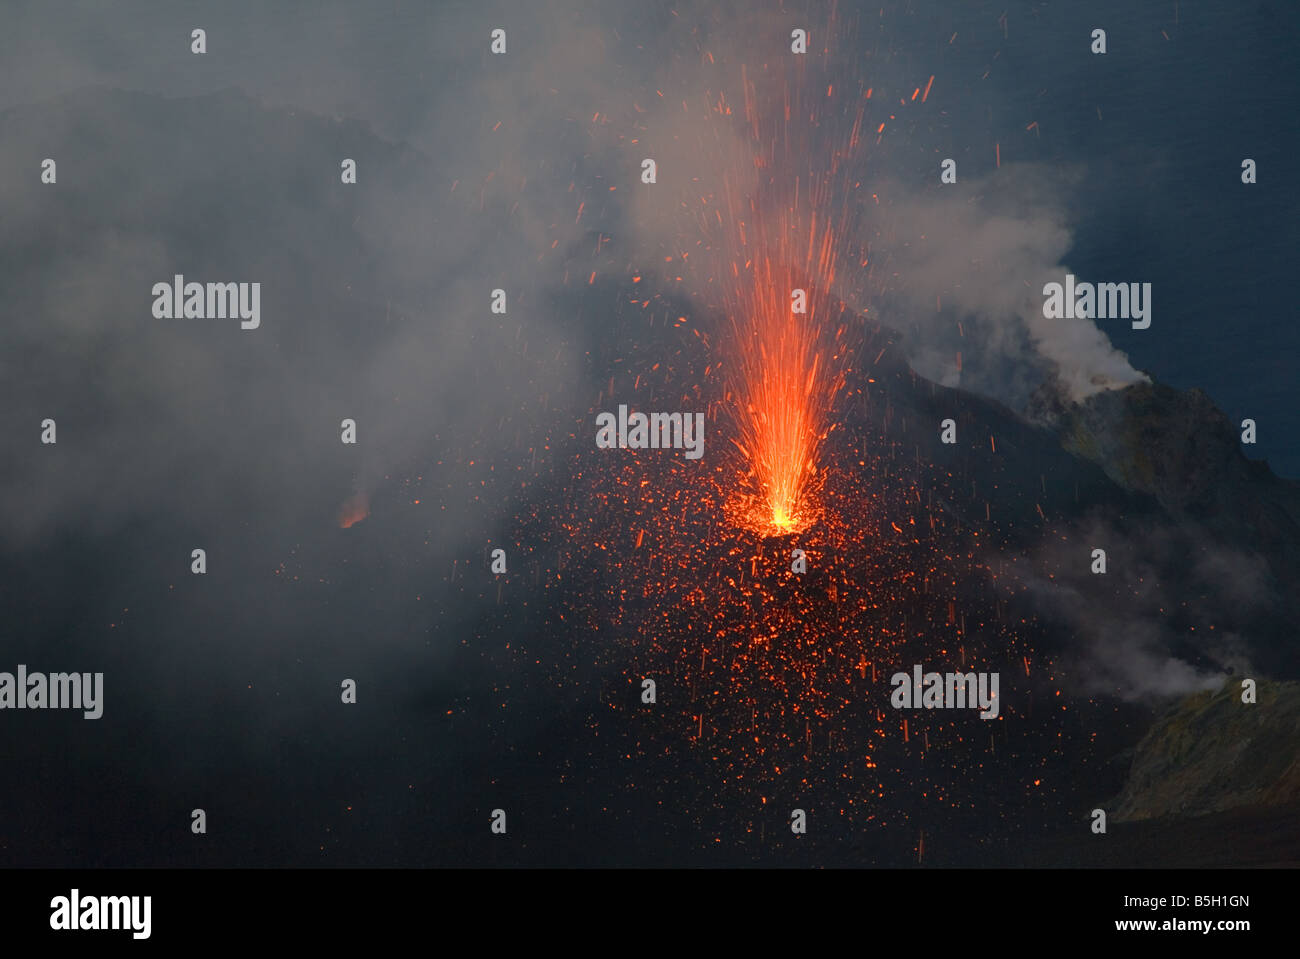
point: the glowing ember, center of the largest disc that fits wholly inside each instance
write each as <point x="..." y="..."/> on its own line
<point x="354" y="510"/>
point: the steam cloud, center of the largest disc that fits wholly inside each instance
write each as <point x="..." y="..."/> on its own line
<point x="980" y="257"/>
<point x="1178" y="609"/>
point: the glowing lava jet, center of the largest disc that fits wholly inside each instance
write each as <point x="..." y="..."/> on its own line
<point x="783" y="386"/>
<point x="783" y="237"/>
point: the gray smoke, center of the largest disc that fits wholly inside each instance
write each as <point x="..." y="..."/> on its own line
<point x="1165" y="619"/>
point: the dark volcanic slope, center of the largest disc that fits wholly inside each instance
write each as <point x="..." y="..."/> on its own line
<point x="1215" y="752"/>
<point x="1176" y="446"/>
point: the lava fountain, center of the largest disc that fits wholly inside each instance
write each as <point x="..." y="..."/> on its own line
<point x="784" y="235"/>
